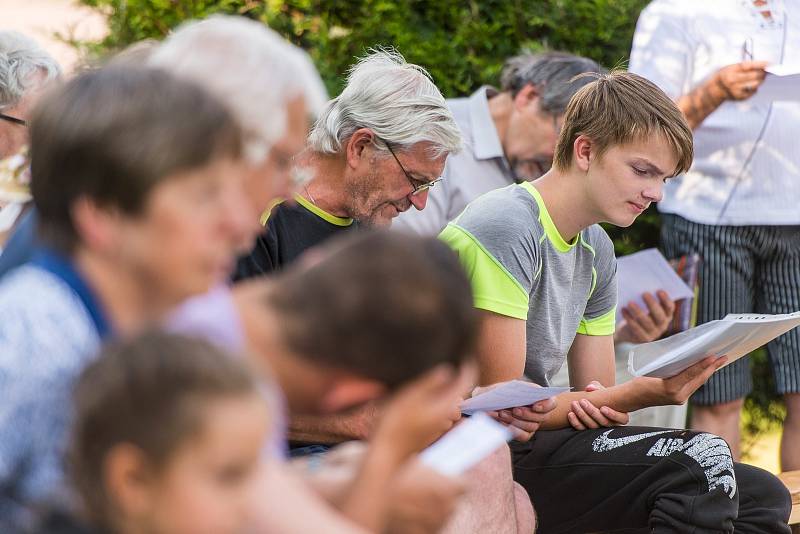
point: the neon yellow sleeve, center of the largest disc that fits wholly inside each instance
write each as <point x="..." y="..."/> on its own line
<point x="602" y="325"/>
<point x="494" y="288"/>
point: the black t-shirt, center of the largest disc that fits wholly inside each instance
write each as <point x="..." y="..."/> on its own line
<point x="291" y="229"/>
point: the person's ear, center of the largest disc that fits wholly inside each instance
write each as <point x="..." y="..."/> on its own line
<point x="583" y="152"/>
<point x="128" y="480"/>
<point x="96" y="226"/>
<point x="357" y="146"/>
<point x="526" y="97"/>
<point x="350" y="391"/>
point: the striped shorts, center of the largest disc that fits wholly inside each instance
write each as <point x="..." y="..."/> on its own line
<point x="743" y="269"/>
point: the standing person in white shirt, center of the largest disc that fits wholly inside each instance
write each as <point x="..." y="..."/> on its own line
<point x="737" y="205"/>
<point x="509" y="135"/>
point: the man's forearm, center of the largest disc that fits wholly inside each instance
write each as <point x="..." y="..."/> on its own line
<point x="702" y="101"/>
<point x="332" y="429"/>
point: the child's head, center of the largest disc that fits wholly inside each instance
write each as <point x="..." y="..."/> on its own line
<point x="629" y="137"/>
<point x="167" y="437"/>
<point x="362" y="315"/>
<point x="143" y="169"/>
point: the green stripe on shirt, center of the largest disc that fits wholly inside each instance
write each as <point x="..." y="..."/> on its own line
<point x="602" y="325"/>
<point x="494" y="288"/>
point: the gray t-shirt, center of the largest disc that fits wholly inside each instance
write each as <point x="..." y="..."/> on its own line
<point x="521" y="267"/>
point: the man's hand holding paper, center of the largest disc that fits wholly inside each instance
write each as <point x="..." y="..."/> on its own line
<point x="515" y="404"/>
<point x="644" y="326"/>
<point x="647" y="271"/>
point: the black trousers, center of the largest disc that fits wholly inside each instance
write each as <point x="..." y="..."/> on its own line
<point x="639" y="479"/>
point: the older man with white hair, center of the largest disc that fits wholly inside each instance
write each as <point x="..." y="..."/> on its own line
<point x="373" y="153"/>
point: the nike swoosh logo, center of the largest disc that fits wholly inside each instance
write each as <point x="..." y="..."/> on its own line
<point x="604" y="444"/>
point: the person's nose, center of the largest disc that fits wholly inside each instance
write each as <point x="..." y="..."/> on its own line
<point x="654" y="193"/>
<point x="419" y="200"/>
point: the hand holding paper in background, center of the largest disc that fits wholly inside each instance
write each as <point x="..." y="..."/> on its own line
<point x="647" y="271"/>
<point x="781" y="84"/>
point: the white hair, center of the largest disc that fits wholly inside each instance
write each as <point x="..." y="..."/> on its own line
<point x="398" y="101"/>
<point x="21" y="58"/>
<point x="248" y="66"/>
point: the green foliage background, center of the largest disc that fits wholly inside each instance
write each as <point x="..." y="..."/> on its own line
<point x="463" y="44"/>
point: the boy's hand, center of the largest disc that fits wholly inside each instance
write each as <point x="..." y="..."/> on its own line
<point x="523" y="421"/>
<point x="678" y="389"/>
<point x="421" y="411"/>
<point x="644" y="326"/>
<point x="585" y="415"/>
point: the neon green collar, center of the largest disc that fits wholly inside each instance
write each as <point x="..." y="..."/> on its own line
<point x="550" y="229"/>
<point x="322" y="214"/>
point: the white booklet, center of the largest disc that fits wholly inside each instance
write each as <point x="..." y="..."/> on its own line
<point x="509" y="395"/>
<point x="782" y="83"/>
<point x="647" y="271"/>
<point x="466" y="445"/>
<point x="734" y="336"/>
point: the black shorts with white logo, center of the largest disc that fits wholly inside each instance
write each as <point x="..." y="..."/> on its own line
<point x="654" y="479"/>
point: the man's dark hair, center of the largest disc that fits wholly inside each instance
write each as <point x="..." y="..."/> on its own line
<point x="551" y="73"/>
<point x="382" y="305"/>
<point x="149" y="392"/>
<point x="113" y="134"/>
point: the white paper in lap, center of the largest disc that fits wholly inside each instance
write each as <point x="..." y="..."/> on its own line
<point x="647" y="271"/>
<point x="466" y="445"/>
<point x="734" y="336"/>
<point x="510" y="395"/>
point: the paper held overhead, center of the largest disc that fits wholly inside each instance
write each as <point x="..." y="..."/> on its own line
<point x="509" y="395"/>
<point x="734" y="336"/>
<point x="647" y="271"/>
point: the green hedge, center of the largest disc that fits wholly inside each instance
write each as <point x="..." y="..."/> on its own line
<point x="463" y="43"/>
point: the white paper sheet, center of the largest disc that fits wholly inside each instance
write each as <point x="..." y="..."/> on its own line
<point x="466" y="445"/>
<point x="734" y="336"/>
<point x="782" y="83"/>
<point x="509" y="395"/>
<point x="647" y="271"/>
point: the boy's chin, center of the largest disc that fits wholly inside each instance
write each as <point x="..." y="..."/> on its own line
<point x="623" y="221"/>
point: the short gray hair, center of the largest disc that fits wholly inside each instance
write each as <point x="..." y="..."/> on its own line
<point x="20" y="59"/>
<point x="551" y="73"/>
<point x="248" y="66"/>
<point x="398" y="101"/>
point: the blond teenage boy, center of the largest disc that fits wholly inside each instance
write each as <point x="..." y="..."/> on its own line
<point x="543" y="275"/>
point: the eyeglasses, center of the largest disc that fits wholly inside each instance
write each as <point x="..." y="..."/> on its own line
<point x="417" y="188"/>
<point x="15" y="120"/>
